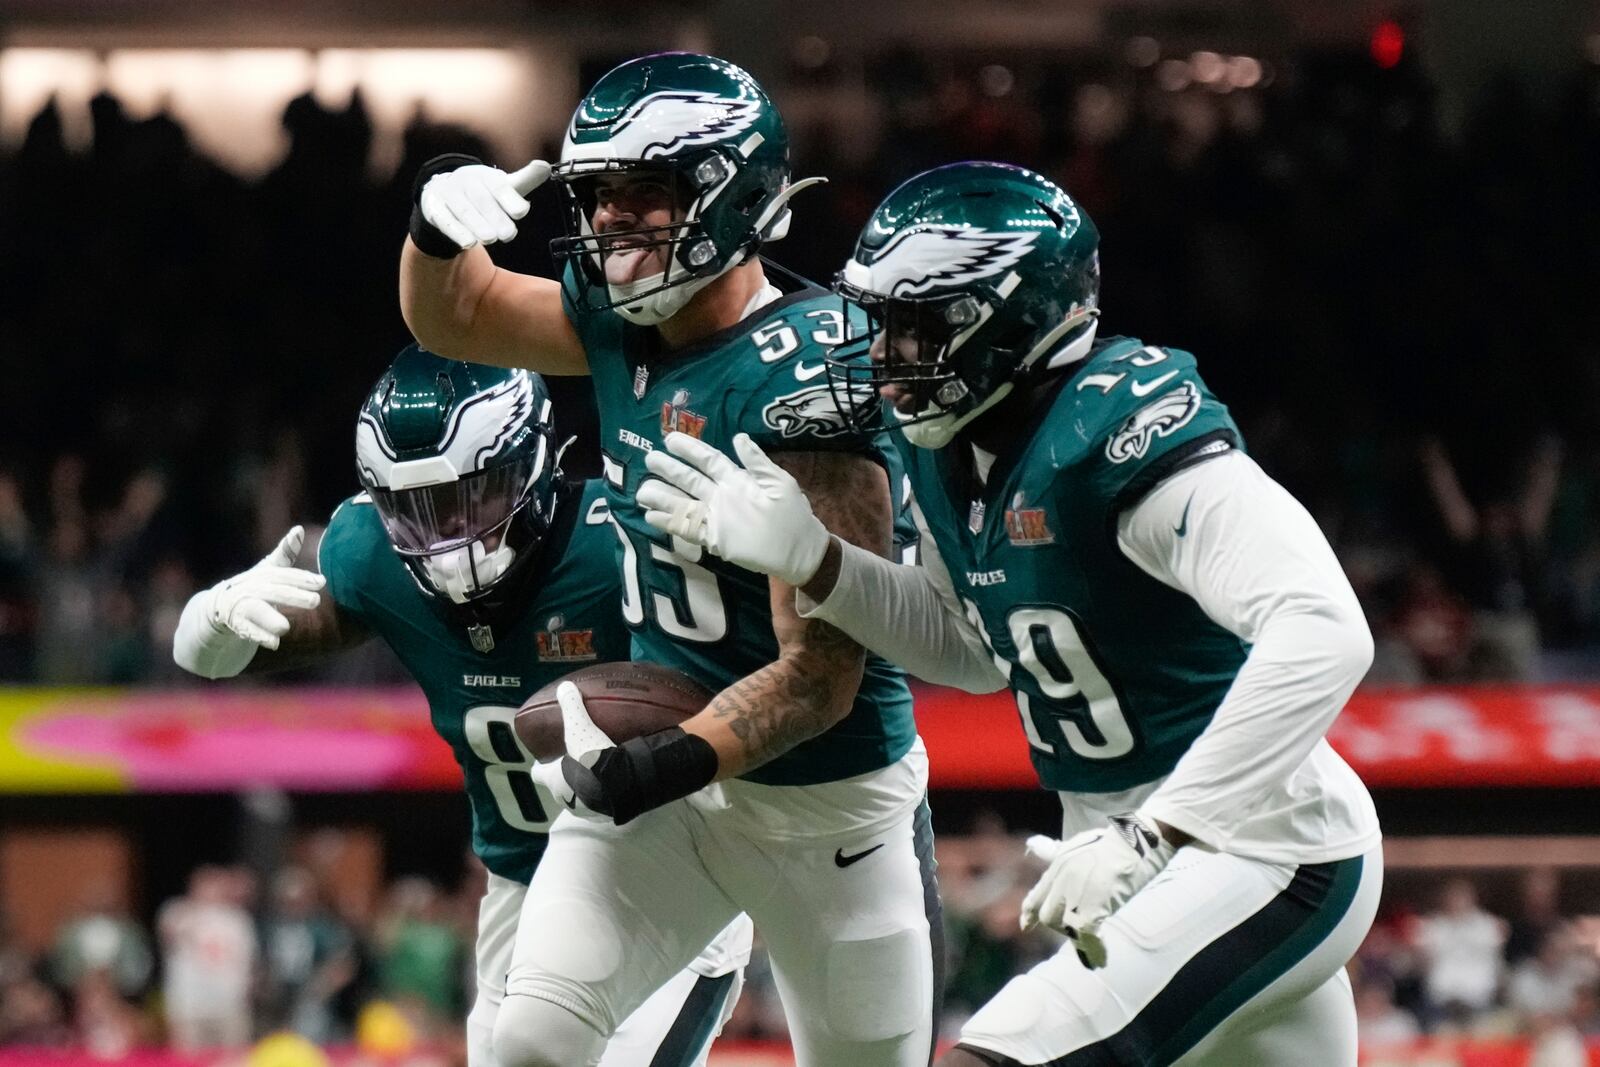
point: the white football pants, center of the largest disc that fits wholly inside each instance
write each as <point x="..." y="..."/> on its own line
<point x="676" y="1024"/>
<point x="1220" y="960"/>
<point x="837" y="877"/>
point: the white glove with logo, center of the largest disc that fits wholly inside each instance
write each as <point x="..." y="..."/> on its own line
<point x="222" y="627"/>
<point x="1090" y="875"/>
<point x="479" y="203"/>
<point x="756" y="516"/>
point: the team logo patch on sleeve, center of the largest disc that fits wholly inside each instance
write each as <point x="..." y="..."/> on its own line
<point x="1027" y="526"/>
<point x="557" y="645"/>
<point x="809" y="412"/>
<point x="1171" y="411"/>
<point x="675" y="415"/>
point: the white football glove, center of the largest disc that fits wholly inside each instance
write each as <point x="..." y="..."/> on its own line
<point x="1090" y="875"/>
<point x="756" y="516"/>
<point x="478" y="203"/>
<point x="584" y="742"/>
<point x="222" y="627"/>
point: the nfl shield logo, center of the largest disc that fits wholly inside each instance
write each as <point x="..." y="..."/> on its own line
<point x="641" y="381"/>
<point x="482" y="637"/>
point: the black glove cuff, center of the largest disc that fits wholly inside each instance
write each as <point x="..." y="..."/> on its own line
<point x="428" y="238"/>
<point x="661" y="768"/>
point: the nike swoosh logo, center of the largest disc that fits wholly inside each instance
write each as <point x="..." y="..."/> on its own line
<point x="571" y="803"/>
<point x="805" y="374"/>
<point x="841" y="861"/>
<point x="1146" y="388"/>
<point x="1183" y="523"/>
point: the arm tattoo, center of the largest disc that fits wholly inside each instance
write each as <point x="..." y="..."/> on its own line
<point x="813" y="683"/>
<point x="849" y="493"/>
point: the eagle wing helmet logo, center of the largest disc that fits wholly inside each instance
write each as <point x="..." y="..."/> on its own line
<point x="1171" y="411"/>
<point x="660" y="124"/>
<point x="928" y="257"/>
<point x="477" y="431"/>
<point x="484" y="423"/>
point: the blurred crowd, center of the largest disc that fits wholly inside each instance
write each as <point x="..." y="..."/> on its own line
<point x="1455" y="969"/>
<point x="224" y="964"/>
<point x="227" y="963"/>
<point x="1401" y="315"/>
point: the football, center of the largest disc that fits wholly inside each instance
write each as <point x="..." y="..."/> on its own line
<point x="626" y="700"/>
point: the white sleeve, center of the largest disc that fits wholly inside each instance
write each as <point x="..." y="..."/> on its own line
<point x="1255" y="561"/>
<point x="908" y="615"/>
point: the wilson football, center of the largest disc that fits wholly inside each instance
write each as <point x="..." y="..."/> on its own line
<point x="626" y="700"/>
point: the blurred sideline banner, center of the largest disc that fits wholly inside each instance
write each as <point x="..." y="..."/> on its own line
<point x="356" y="740"/>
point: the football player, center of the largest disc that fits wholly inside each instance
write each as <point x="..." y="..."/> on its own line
<point x="674" y="173"/>
<point x="1175" y="628"/>
<point x="489" y="575"/>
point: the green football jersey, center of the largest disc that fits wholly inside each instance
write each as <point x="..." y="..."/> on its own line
<point x="764" y="377"/>
<point x="1115" y="673"/>
<point x="571" y="621"/>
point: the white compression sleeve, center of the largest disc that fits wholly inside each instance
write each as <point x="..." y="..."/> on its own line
<point x="200" y="648"/>
<point x="909" y="616"/>
<point x="1255" y="561"/>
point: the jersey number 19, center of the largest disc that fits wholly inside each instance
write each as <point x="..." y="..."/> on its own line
<point x="1077" y="695"/>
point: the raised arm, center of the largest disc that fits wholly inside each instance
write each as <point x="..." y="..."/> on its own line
<point x="460" y="305"/>
<point x="1539" y="494"/>
<point x="1460" y="517"/>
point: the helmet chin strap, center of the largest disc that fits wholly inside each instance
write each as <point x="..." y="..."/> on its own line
<point x="940" y="430"/>
<point x="463" y="573"/>
<point x="1073" y="350"/>
<point x="660" y="301"/>
<point x="773" y="225"/>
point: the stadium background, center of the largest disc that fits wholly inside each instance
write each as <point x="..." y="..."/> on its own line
<point x="1375" y="223"/>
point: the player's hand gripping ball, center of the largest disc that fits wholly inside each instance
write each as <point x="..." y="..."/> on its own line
<point x="611" y="739"/>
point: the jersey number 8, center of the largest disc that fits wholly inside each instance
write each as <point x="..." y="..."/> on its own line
<point x="506" y="768"/>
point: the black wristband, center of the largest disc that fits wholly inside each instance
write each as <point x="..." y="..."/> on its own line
<point x="646" y="772"/>
<point x="429" y="239"/>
